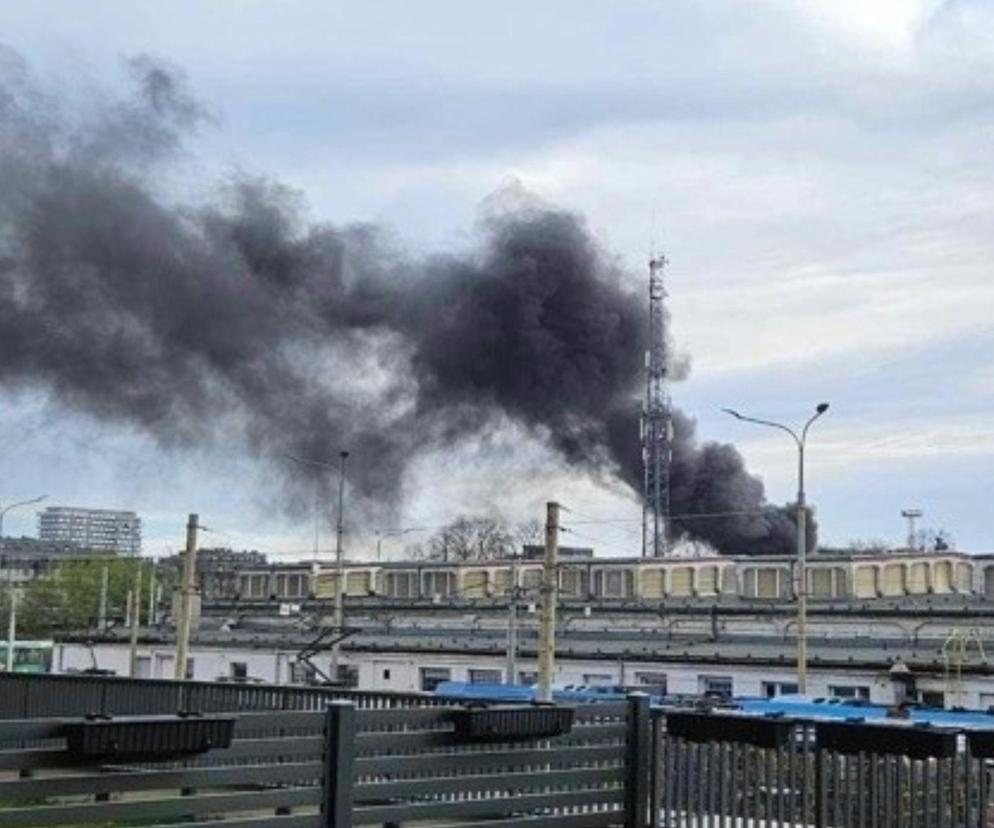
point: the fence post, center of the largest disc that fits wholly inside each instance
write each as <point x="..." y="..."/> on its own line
<point x="821" y="798"/>
<point x="339" y="753"/>
<point x="638" y="766"/>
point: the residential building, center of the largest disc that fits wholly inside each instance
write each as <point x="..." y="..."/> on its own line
<point x="92" y="529"/>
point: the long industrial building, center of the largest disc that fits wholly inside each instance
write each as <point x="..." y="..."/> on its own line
<point x="707" y="625"/>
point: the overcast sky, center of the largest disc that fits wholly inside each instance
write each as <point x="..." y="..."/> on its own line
<point x="818" y="173"/>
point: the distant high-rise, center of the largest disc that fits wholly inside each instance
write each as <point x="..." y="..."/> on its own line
<point x="102" y="529"/>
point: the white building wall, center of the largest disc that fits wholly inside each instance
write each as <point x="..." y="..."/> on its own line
<point x="401" y="672"/>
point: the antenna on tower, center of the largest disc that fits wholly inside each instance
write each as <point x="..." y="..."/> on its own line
<point x="911" y="515"/>
<point x="657" y="424"/>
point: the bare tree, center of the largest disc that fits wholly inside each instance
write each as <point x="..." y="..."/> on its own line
<point x="529" y="533"/>
<point x="874" y="545"/>
<point x="471" y="539"/>
<point x="934" y="540"/>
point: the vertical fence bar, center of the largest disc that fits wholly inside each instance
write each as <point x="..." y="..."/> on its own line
<point x="639" y="764"/>
<point x="655" y="770"/>
<point x="669" y="782"/>
<point x="820" y="803"/>
<point x="981" y="792"/>
<point x="338" y="764"/>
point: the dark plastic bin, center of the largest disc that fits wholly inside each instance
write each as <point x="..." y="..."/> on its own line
<point x="717" y="727"/>
<point x="511" y="723"/>
<point x="913" y="742"/>
<point x="148" y="738"/>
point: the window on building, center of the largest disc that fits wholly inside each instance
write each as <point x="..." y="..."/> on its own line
<point x="865" y="584"/>
<point x="431" y="677"/>
<point x="291" y="585"/>
<point x="652" y="682"/>
<point x="820" y="583"/>
<point x="531" y="579"/>
<point x="357" y="583"/>
<point x="895" y="580"/>
<point x="188" y="671"/>
<point x="942" y="577"/>
<point x="485" y="677"/>
<point x="143" y="667"/>
<point x="768" y="583"/>
<point x="573" y="583"/>
<point x="254" y="586"/>
<point x="707" y="580"/>
<point x="437" y="583"/>
<point x="681" y="581"/>
<point x="238" y="670"/>
<point x="615" y="583"/>
<point x="386" y="675"/>
<point x="348" y="675"/>
<point x="933" y="698"/>
<point x="849" y="691"/>
<point x="772" y="689"/>
<point x="527" y="677"/>
<point x="402" y="585"/>
<point x="302" y="672"/>
<point x="721" y="686"/>
<point x="598" y="679"/>
<point x="964" y="577"/>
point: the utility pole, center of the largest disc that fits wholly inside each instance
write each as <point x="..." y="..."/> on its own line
<point x="11" y="626"/>
<point x="186" y="599"/>
<point x="102" y="611"/>
<point x="512" y="624"/>
<point x="339" y="620"/>
<point x="151" y="593"/>
<point x="550" y="595"/>
<point x="136" y="620"/>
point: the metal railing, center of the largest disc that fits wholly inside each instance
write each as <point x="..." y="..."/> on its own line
<point x="339" y="768"/>
<point x="26" y="695"/>
<point x="275" y="765"/>
<point x="306" y="758"/>
<point x="719" y="770"/>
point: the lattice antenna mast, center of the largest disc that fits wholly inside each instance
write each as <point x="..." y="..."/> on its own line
<point x="657" y="429"/>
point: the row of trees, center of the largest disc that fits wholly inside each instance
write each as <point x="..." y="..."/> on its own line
<point x="68" y="598"/>
<point x="479" y="539"/>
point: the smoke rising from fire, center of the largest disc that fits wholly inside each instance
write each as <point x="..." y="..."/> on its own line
<point x="240" y="317"/>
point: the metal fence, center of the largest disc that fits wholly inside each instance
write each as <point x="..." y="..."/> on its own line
<point x="719" y="770"/>
<point x="26" y="696"/>
<point x="272" y="774"/>
<point x="305" y="758"/>
<point x="340" y="768"/>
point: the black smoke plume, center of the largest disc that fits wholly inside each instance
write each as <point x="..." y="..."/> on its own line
<point x="239" y="319"/>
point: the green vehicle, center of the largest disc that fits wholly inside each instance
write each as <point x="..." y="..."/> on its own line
<point x="29" y="656"/>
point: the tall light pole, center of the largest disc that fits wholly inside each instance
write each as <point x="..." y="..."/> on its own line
<point x="11" y="596"/>
<point x="801" y="577"/>
<point x="339" y="619"/>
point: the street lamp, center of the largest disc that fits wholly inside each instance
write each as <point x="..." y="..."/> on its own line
<point x="391" y="533"/>
<point x="12" y="609"/>
<point x="339" y="620"/>
<point x="801" y="585"/>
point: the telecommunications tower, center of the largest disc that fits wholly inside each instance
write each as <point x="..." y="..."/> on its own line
<point x="657" y="424"/>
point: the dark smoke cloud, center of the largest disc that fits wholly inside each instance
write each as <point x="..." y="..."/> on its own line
<point x="241" y="320"/>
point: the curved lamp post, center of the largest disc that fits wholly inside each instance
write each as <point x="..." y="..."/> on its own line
<point x="801" y="584"/>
